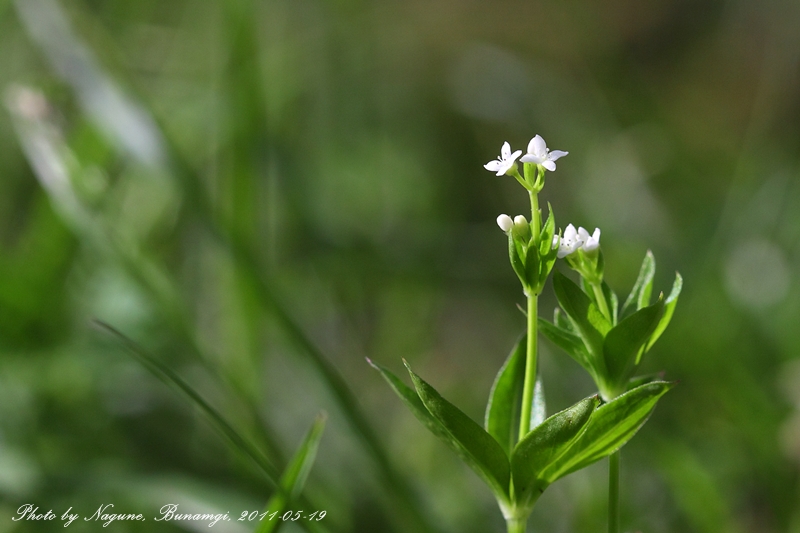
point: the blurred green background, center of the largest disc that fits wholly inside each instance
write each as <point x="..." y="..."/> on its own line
<point x="264" y="193"/>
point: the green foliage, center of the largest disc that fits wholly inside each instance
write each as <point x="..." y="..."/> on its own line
<point x="504" y="405"/>
<point x="610" y="350"/>
<point x="293" y="479"/>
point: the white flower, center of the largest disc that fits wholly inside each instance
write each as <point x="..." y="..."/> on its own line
<point x="520" y="221"/>
<point x="505" y="162"/>
<point x="505" y="223"/>
<point x="568" y="243"/>
<point x="590" y="242"/>
<point x="540" y="155"/>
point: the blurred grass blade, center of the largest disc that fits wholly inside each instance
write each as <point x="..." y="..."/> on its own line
<point x="504" y="406"/>
<point x="476" y="447"/>
<point x="168" y="376"/>
<point x="294" y="478"/>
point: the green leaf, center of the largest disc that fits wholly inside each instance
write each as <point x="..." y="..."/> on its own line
<point x="561" y="320"/>
<point x="517" y="261"/>
<point x="669" y="309"/>
<point x="414" y="404"/>
<point x="547" y="233"/>
<point x="545" y="445"/>
<point x="613" y="303"/>
<point x="475" y="446"/>
<point x="589" y="322"/>
<point x="294" y="477"/>
<point x="640" y="293"/>
<point x="626" y="341"/>
<point x="610" y="427"/>
<point x="567" y="341"/>
<point x="505" y="398"/>
<point x="532" y="265"/>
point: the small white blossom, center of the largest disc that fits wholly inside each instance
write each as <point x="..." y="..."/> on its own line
<point x="505" y="223"/>
<point x="505" y="162"/>
<point x="540" y="155"/>
<point x="521" y="221"/>
<point x="568" y="243"/>
<point x="590" y="242"/>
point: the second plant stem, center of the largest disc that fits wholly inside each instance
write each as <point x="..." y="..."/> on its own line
<point x="613" y="492"/>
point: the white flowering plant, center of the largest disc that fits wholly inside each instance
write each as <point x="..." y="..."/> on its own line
<point x="520" y="450"/>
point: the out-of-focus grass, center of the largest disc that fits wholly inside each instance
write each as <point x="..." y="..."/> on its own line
<point x="334" y="149"/>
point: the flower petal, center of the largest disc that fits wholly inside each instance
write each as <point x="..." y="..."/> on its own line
<point x="537" y="146"/>
<point x="556" y="154"/>
<point x="531" y="158"/>
<point x="549" y="165"/>
<point x="492" y="165"/>
<point x="505" y="151"/>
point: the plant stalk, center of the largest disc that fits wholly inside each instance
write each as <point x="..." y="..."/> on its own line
<point x="533" y="326"/>
<point x="613" y="492"/>
<point x="516" y="525"/>
<point x="530" y="366"/>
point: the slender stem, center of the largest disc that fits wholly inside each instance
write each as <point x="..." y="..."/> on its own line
<point x="613" y="492"/>
<point x="530" y="366"/>
<point x="536" y="216"/>
<point x="601" y="301"/>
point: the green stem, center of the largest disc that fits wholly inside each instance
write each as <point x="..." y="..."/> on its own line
<point x="536" y="217"/>
<point x="613" y="492"/>
<point x="601" y="301"/>
<point x="530" y="366"/>
<point x="516" y="525"/>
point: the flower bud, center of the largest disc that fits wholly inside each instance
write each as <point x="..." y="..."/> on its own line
<point x="505" y="223"/>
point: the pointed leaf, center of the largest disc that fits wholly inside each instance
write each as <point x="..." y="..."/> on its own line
<point x="503" y="408"/>
<point x="613" y="303"/>
<point x="478" y="449"/>
<point x="589" y="322"/>
<point x="532" y="265"/>
<point x="669" y="309"/>
<point x="561" y="320"/>
<point x="640" y="293"/>
<point x="625" y="342"/>
<point x="517" y="260"/>
<point x="610" y="427"/>
<point x="414" y="404"/>
<point x="294" y="477"/>
<point x="547" y="233"/>
<point x="545" y="445"/>
<point x="567" y="341"/>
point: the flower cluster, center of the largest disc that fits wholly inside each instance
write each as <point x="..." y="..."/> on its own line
<point x="574" y="240"/>
<point x="537" y="154"/>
